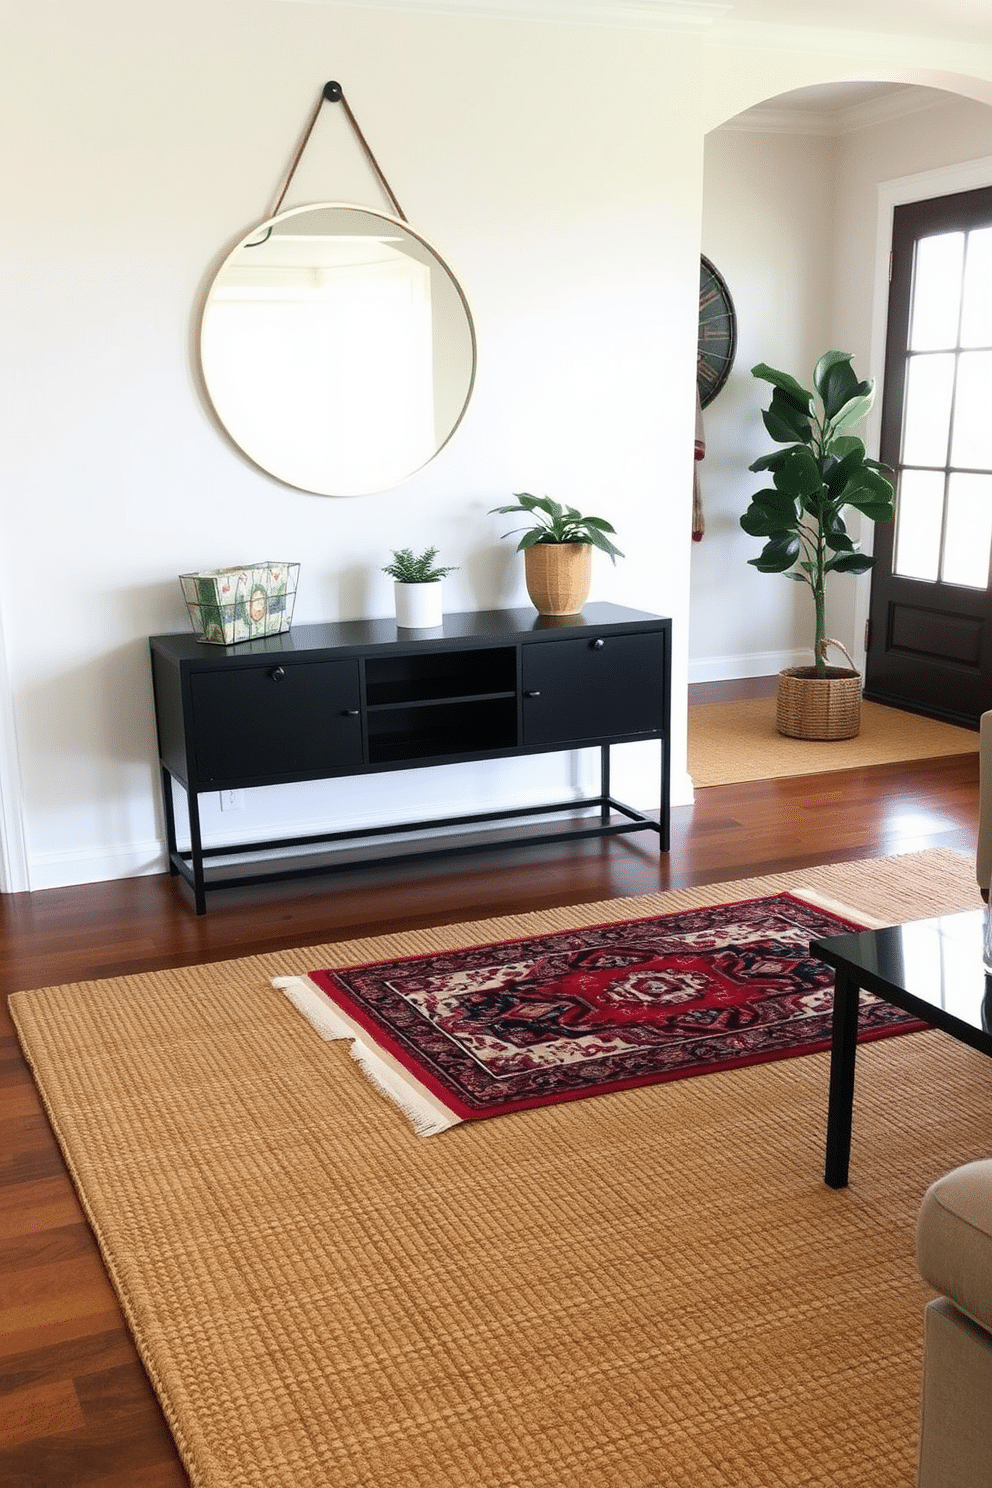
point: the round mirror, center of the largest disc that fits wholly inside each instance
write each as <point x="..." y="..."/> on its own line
<point x="337" y="349"/>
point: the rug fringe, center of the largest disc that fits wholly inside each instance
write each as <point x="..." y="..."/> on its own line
<point x="426" y="1118"/>
<point x="426" y="1114"/>
<point x="319" y="1011"/>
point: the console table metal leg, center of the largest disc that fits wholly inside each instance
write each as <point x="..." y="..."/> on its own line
<point x="604" y="781"/>
<point x="664" y="820"/>
<point x="196" y="853"/>
<point x="169" y="809"/>
<point x="843" y="1053"/>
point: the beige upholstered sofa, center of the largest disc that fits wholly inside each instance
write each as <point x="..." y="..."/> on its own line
<point x="954" y="1254"/>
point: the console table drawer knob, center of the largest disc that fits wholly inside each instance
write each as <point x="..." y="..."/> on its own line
<point x="277" y="673"/>
<point x="597" y="644"/>
<point x="349" y="712"/>
<point x="533" y="694"/>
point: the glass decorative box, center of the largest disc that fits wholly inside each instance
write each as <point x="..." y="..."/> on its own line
<point x="242" y="602"/>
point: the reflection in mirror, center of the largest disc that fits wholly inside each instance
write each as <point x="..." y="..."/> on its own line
<point x="337" y="349"/>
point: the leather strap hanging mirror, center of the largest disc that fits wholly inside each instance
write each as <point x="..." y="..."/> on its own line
<point x="337" y="347"/>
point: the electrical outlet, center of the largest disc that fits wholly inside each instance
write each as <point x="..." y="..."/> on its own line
<point x="232" y="800"/>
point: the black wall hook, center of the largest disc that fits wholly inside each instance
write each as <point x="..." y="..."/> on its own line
<point x="334" y="93"/>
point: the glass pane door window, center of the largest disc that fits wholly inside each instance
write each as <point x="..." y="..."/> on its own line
<point x="928" y="646"/>
<point x="944" y="470"/>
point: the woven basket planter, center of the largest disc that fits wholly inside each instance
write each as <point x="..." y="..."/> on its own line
<point x="558" y="576"/>
<point x="811" y="707"/>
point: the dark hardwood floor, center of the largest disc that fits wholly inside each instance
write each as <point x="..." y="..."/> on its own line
<point x="75" y="1405"/>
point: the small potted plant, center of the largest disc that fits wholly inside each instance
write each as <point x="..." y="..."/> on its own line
<point x="417" y="587"/>
<point x="558" y="552"/>
<point x="823" y="469"/>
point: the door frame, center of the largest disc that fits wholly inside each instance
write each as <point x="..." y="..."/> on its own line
<point x="14" y="876"/>
<point x="967" y="175"/>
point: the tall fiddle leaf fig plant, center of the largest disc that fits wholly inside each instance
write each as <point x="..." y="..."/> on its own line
<point x="823" y="469"/>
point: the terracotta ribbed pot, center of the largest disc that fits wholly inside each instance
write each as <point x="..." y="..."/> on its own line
<point x="558" y="576"/>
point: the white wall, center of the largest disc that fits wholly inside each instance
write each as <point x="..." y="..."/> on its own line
<point x="799" y="250"/>
<point x="957" y="131"/>
<point x="558" y="167"/>
<point x="772" y="243"/>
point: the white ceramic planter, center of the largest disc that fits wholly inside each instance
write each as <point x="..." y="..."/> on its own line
<point x="418" y="606"/>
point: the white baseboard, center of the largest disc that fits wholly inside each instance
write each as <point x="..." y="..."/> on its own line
<point x="682" y="789"/>
<point x="60" y="870"/>
<point x="756" y="664"/>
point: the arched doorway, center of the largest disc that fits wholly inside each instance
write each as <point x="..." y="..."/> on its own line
<point x="791" y="217"/>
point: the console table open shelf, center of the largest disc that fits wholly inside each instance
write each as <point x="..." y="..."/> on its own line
<point x="360" y="697"/>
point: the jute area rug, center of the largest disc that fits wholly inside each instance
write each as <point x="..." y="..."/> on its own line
<point x="645" y="1289"/>
<point x="730" y="743"/>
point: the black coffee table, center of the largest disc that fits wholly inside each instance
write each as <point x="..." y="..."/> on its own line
<point x="931" y="968"/>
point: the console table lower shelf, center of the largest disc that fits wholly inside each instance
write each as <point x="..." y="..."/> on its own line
<point x="193" y="864"/>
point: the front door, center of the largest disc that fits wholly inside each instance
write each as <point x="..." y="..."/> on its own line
<point x="930" y="620"/>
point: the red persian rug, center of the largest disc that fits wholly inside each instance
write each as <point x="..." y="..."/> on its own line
<point x="459" y="1035"/>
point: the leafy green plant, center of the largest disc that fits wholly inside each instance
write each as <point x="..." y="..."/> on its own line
<point x="824" y="469"/>
<point x="557" y="524"/>
<point x="407" y="568"/>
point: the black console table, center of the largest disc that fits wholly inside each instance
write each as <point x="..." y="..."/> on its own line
<point x="363" y="696"/>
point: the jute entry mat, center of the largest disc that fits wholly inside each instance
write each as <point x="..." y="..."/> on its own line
<point x="646" y="1289"/>
<point x="730" y="743"/>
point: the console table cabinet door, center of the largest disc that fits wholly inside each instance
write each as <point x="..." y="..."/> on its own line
<point x="281" y="720"/>
<point x="589" y="689"/>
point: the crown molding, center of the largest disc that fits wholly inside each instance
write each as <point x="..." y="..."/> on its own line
<point x="830" y="123"/>
<point x="655" y="15"/>
<point x="898" y="104"/>
<point x="936" y="45"/>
